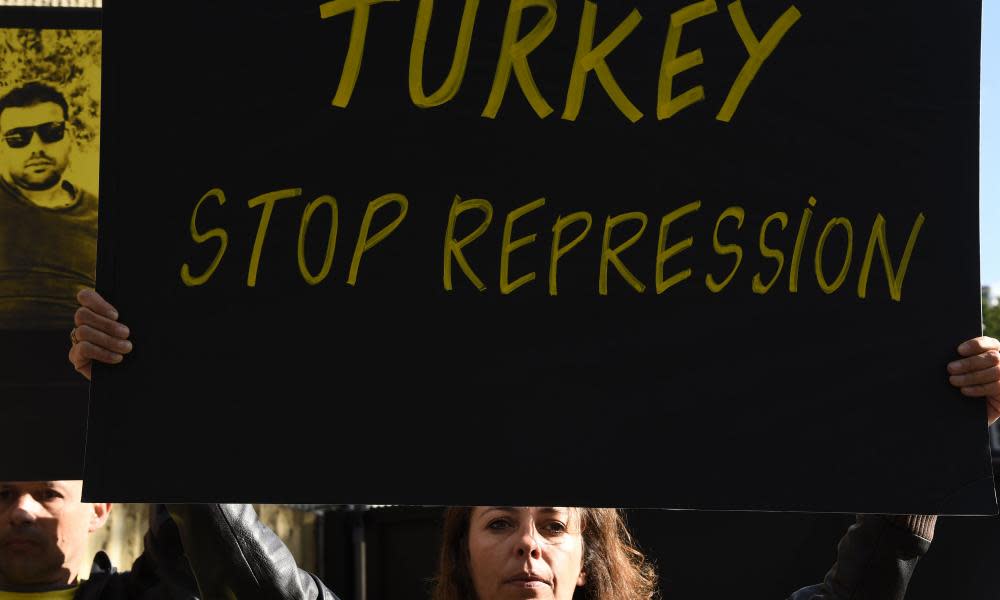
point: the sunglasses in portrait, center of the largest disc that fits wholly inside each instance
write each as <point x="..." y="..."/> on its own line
<point x="49" y="133"/>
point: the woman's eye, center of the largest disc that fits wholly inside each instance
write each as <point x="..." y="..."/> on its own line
<point x="49" y="495"/>
<point x="556" y="527"/>
<point x="499" y="524"/>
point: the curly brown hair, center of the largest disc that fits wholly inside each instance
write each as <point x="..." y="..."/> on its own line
<point x="616" y="568"/>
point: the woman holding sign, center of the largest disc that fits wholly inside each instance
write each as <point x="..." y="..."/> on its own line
<point x="500" y="553"/>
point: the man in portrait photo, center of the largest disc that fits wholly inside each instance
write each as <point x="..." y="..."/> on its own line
<point x="48" y="225"/>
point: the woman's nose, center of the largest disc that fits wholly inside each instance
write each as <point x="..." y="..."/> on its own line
<point x="527" y="544"/>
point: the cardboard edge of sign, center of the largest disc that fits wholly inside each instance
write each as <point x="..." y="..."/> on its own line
<point x="50" y="17"/>
<point x="967" y="501"/>
<point x="958" y="502"/>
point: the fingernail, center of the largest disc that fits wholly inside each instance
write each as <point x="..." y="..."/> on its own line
<point x="114" y="315"/>
<point x="116" y="358"/>
<point x="964" y="347"/>
<point x="122" y="331"/>
<point x="128" y="346"/>
<point x="954" y="366"/>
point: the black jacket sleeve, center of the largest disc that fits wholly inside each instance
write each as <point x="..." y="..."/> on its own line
<point x="160" y="573"/>
<point x="875" y="560"/>
<point x="233" y="555"/>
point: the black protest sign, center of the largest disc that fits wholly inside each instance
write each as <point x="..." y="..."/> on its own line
<point x="676" y="254"/>
<point x="48" y="232"/>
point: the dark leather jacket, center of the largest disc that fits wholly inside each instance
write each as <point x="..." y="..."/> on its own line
<point x="205" y="552"/>
<point x="161" y="572"/>
<point x="222" y="551"/>
<point x="233" y="555"/>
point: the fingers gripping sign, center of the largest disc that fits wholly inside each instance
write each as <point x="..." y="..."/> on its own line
<point x="98" y="335"/>
<point x="977" y="375"/>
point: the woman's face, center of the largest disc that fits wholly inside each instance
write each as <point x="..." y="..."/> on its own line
<point x="526" y="552"/>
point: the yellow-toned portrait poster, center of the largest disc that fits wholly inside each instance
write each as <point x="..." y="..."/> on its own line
<point x="50" y="114"/>
<point x="50" y="90"/>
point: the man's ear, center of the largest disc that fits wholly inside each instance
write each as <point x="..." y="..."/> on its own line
<point x="100" y="514"/>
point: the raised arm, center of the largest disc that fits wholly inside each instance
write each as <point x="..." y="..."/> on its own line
<point x="877" y="555"/>
<point x="209" y="551"/>
<point x="875" y="559"/>
<point x="234" y="555"/>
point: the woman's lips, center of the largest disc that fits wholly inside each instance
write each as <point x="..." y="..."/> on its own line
<point x="527" y="580"/>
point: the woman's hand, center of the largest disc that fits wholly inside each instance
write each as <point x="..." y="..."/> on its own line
<point x="978" y="374"/>
<point x="98" y="335"/>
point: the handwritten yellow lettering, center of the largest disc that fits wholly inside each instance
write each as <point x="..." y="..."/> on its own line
<point x="589" y="59"/>
<point x="610" y="255"/>
<point x="800" y="241"/>
<point x="459" y="61"/>
<point x="830" y="288"/>
<point x="663" y="254"/>
<point x="895" y="279"/>
<point x="268" y="200"/>
<point x="364" y="242"/>
<point x="356" y="46"/>
<point x="759" y="287"/>
<point x="331" y="242"/>
<point x="560" y="251"/>
<point x="509" y="246"/>
<point x="672" y="65"/>
<point x="201" y="238"/>
<point x="514" y="55"/>
<point x="737" y="213"/>
<point x="453" y="247"/>
<point x="759" y="51"/>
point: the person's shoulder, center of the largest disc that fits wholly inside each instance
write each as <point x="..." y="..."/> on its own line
<point x="88" y="197"/>
<point x="88" y="202"/>
<point x="84" y="201"/>
<point x="144" y="581"/>
<point x="806" y="593"/>
<point x="82" y="195"/>
<point x="102" y="579"/>
<point x="9" y="194"/>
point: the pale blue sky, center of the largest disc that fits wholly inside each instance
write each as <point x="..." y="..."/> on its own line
<point x="989" y="162"/>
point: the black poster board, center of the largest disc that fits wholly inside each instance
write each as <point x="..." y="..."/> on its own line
<point x="275" y="363"/>
<point x="43" y="401"/>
